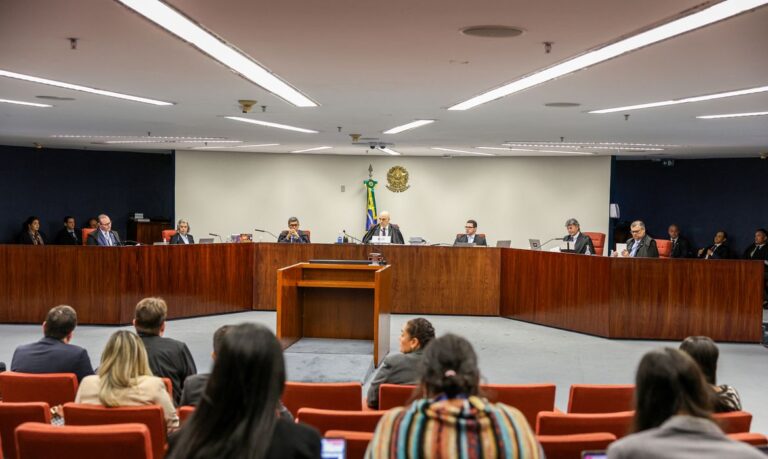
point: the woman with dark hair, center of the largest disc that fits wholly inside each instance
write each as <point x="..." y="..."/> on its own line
<point x="673" y="414"/>
<point x="30" y="232"/>
<point x="237" y="416"/>
<point x="705" y="353"/>
<point x="453" y="421"/>
<point x="403" y="368"/>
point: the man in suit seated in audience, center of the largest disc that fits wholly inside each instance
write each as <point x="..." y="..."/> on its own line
<point x="641" y="245"/>
<point x="168" y="358"/>
<point x="581" y="243"/>
<point x="68" y="235"/>
<point x="719" y="250"/>
<point x="104" y="236"/>
<point x="681" y="248"/>
<point x="470" y="236"/>
<point x="53" y="353"/>
<point x="293" y="234"/>
<point x="759" y="251"/>
<point x="384" y="229"/>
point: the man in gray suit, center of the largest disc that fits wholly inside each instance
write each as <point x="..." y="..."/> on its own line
<point x="470" y="236"/>
<point x="640" y="245"/>
<point x="103" y="235"/>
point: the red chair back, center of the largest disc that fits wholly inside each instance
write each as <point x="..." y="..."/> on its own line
<point x="52" y="388"/>
<point x="13" y="415"/>
<point x="185" y="412"/>
<point x="530" y="399"/>
<point x="750" y="438"/>
<point x="329" y="396"/>
<point x="601" y="398"/>
<point x="325" y="420"/>
<point x="168" y="234"/>
<point x="149" y="415"/>
<point x="85" y="232"/>
<point x="665" y="247"/>
<point x="44" y="441"/>
<point x="357" y="442"/>
<point x="571" y="446"/>
<point x="394" y="395"/>
<point x="734" y="422"/>
<point x="598" y="240"/>
<point x="168" y="386"/>
<point x="552" y="423"/>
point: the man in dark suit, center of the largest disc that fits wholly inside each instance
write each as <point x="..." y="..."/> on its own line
<point x="384" y="229"/>
<point x="103" y="235"/>
<point x="53" y="353"/>
<point x="293" y="234"/>
<point x="719" y="250"/>
<point x="759" y="251"/>
<point x="470" y="236"/>
<point x="168" y="358"/>
<point x="581" y="242"/>
<point x="640" y="245"/>
<point x="68" y="234"/>
<point x="182" y="235"/>
<point x="681" y="248"/>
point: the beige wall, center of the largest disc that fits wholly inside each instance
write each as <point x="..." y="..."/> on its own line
<point x="511" y="198"/>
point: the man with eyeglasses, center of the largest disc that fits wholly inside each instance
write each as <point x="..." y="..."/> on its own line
<point x="470" y="235"/>
<point x="103" y="235"/>
<point x="293" y="235"/>
<point x="640" y="245"/>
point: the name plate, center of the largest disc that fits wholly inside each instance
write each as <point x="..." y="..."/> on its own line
<point x="381" y="240"/>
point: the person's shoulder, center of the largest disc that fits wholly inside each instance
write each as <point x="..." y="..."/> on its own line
<point x="89" y="381"/>
<point x="395" y="359"/>
<point x="151" y="382"/>
<point x="304" y="438"/>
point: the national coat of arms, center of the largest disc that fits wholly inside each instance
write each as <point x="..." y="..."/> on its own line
<point x="397" y="179"/>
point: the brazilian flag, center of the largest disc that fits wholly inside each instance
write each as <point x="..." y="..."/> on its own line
<point x="371" y="216"/>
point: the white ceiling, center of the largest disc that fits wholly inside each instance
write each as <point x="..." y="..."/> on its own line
<point x="375" y="65"/>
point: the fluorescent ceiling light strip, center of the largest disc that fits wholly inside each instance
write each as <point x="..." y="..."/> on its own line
<point x="274" y="125"/>
<point x="171" y="141"/>
<point x="721" y="95"/>
<point x="76" y="87"/>
<point x="407" y="126"/>
<point x="390" y="151"/>
<point x="714" y="13"/>
<point x="731" y="115"/>
<point x="312" y="149"/>
<point x="28" y="104"/>
<point x="462" y="151"/>
<point x="538" y="151"/>
<point x="178" y="24"/>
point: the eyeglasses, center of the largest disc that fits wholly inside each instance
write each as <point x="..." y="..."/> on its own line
<point x="636" y="231"/>
<point x="293" y="225"/>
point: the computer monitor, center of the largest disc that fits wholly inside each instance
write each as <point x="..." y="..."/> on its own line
<point x="506" y="244"/>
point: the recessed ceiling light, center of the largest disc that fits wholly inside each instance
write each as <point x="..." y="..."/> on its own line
<point x="714" y="13"/>
<point x="731" y="115"/>
<point x="76" y="87"/>
<point x="562" y="104"/>
<point x="740" y="92"/>
<point x="274" y="125"/>
<point x="538" y="151"/>
<point x="463" y="151"/>
<point x="28" y="104"/>
<point x="311" y="149"/>
<point x="390" y="151"/>
<point x="183" y="27"/>
<point x="492" y="31"/>
<point x="67" y="99"/>
<point x="407" y="126"/>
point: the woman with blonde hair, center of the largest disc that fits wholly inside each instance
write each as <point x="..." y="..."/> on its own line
<point x="124" y="379"/>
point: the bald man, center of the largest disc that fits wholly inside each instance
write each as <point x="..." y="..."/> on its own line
<point x="386" y="229"/>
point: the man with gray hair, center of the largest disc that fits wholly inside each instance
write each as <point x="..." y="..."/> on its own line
<point x="640" y="245"/>
<point x="384" y="229"/>
<point x="581" y="243"/>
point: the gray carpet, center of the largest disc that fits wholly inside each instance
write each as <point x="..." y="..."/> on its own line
<point x="329" y="360"/>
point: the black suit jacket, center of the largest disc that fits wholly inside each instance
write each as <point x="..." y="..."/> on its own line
<point x="681" y="248"/>
<point x="582" y="242"/>
<point x="176" y="239"/>
<point x="721" y="252"/>
<point x="26" y="238"/>
<point x="303" y="237"/>
<point x="393" y="231"/>
<point x="479" y="240"/>
<point x="760" y="254"/>
<point x="171" y="359"/>
<point x="64" y="237"/>
<point x="647" y="248"/>
<point x="50" y="355"/>
<point x="95" y="238"/>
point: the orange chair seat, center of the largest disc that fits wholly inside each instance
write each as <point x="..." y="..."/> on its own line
<point x="44" y="441"/>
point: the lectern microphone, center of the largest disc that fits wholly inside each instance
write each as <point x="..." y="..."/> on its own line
<point x="351" y="237"/>
<point x="216" y="235"/>
<point x="265" y="231"/>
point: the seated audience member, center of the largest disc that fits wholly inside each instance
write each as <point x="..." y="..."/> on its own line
<point x="237" y="417"/>
<point x="68" y="235"/>
<point x="293" y="234"/>
<point x="53" y="353"/>
<point x="182" y="235"/>
<point x="673" y="414"/>
<point x="168" y="358"/>
<point x="705" y="353"/>
<point x="581" y="242"/>
<point x="93" y="223"/>
<point x="404" y="368"/>
<point x="641" y="245"/>
<point x="30" y="232"/>
<point x="719" y="250"/>
<point x="124" y="379"/>
<point x="681" y="248"/>
<point x="759" y="251"/>
<point x="470" y="235"/>
<point x="384" y="229"/>
<point x="468" y="425"/>
<point x="104" y="236"/>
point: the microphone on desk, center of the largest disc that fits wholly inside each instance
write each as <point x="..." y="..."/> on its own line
<point x="130" y="242"/>
<point x="351" y="237"/>
<point x="265" y="231"/>
<point x="216" y="235"/>
<point x="554" y="239"/>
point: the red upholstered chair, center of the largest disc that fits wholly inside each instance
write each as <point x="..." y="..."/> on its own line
<point x="44" y="441"/>
<point x="734" y="422"/>
<point x="598" y="240"/>
<point x="750" y="438"/>
<point x="357" y="442"/>
<point x="329" y="396"/>
<point x="309" y="234"/>
<point x="571" y="446"/>
<point x="393" y="395"/>
<point x="13" y="415"/>
<point x="85" y="232"/>
<point x="149" y="415"/>
<point x="553" y="423"/>
<point x="168" y="386"/>
<point x="52" y="388"/>
<point x="325" y="420"/>
<point x="530" y="399"/>
<point x="185" y="412"/>
<point x="168" y="234"/>
<point x="600" y="398"/>
<point x="665" y="247"/>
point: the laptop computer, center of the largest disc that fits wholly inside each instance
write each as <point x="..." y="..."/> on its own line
<point x="506" y="244"/>
<point x="535" y="244"/>
<point x="205" y="240"/>
<point x="464" y="244"/>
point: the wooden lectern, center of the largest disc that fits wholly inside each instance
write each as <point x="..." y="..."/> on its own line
<point x="334" y="301"/>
